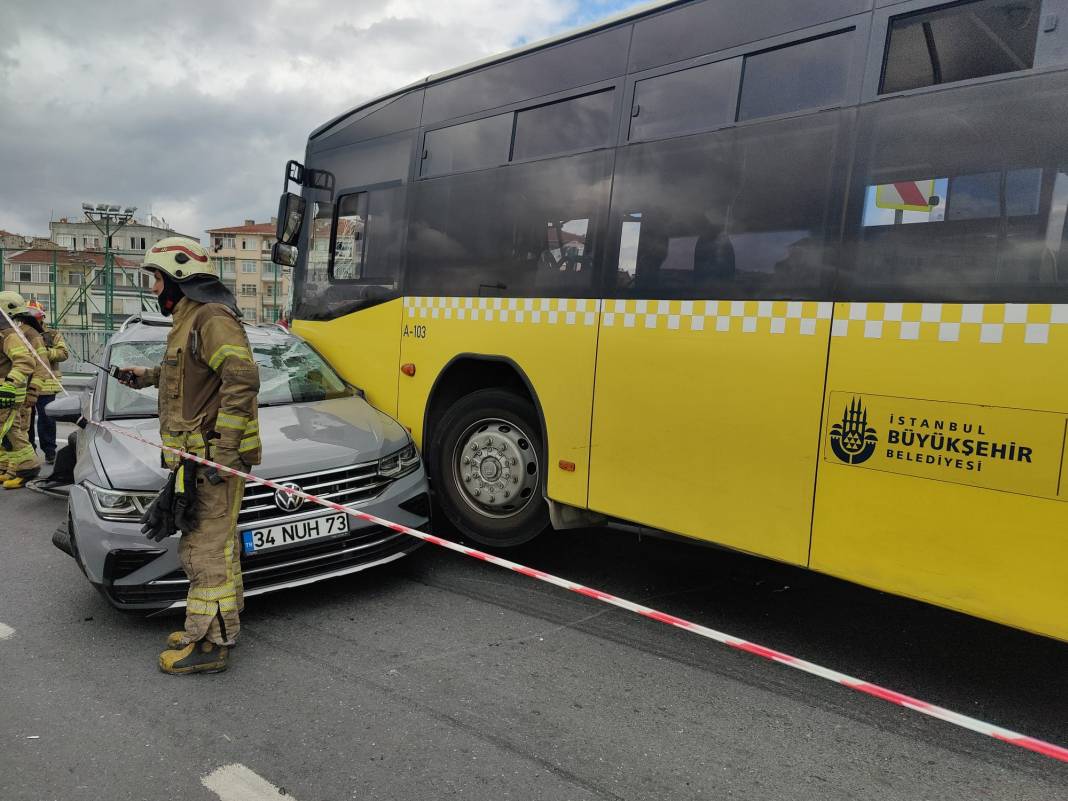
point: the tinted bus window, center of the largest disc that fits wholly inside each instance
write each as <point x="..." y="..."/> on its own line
<point x="741" y="213"/>
<point x="528" y="230"/>
<point x="350" y="226"/>
<point x="470" y="146"/>
<point x="812" y="74"/>
<point x="954" y="43"/>
<point x="577" y="124"/>
<point x="698" y="28"/>
<point x="697" y="99"/>
<point x="564" y="66"/>
<point x="979" y="187"/>
<point x="367" y="252"/>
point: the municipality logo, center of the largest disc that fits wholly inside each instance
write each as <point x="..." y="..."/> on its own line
<point x="853" y="440"/>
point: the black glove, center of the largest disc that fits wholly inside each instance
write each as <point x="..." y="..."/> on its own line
<point x="158" y="518"/>
<point x="185" y="498"/>
<point x="8" y="396"/>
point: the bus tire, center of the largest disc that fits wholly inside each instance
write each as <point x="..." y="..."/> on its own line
<point x="487" y="466"/>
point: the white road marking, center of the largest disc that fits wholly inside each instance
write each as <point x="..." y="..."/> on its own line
<point x="238" y="783"/>
<point x="6" y="632"/>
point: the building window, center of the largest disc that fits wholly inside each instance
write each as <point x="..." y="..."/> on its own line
<point x="65" y="241"/>
<point x="31" y="273"/>
<point x="226" y="267"/>
<point x="248" y="244"/>
<point x="961" y="41"/>
<point x="75" y="279"/>
<point x="248" y="314"/>
<point x="223" y="242"/>
<point x="142" y="243"/>
<point x="807" y="75"/>
<point x="133" y="243"/>
<point x="248" y="266"/>
<point x="90" y="242"/>
<point x="248" y="289"/>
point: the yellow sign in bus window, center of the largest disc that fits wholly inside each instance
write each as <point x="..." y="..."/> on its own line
<point x="905" y="195"/>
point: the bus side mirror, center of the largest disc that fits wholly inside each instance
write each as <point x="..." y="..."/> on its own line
<point x="284" y="254"/>
<point x="290" y="218"/>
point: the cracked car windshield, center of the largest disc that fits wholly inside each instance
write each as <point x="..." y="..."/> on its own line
<point x="290" y="372"/>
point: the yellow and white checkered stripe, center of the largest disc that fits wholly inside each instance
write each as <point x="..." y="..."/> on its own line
<point x="538" y="311"/>
<point x="986" y="323"/>
<point x="746" y="316"/>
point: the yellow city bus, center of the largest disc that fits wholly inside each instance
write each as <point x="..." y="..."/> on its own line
<point x="780" y="275"/>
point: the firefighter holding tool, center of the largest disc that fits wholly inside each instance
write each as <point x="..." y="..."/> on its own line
<point x="208" y="386"/>
<point x="22" y="377"/>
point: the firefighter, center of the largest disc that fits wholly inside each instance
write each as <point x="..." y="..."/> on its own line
<point x="24" y="379"/>
<point x="57" y="352"/>
<point x="208" y="385"/>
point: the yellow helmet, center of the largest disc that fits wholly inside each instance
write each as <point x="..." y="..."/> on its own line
<point x="13" y="303"/>
<point x="180" y="258"/>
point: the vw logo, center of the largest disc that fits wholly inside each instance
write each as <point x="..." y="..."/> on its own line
<point x="287" y="502"/>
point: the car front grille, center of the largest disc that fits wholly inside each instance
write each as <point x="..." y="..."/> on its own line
<point x="344" y="485"/>
<point x="277" y="567"/>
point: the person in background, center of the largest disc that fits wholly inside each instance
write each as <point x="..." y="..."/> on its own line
<point x="57" y="352"/>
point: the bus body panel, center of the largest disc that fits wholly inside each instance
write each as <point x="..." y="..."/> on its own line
<point x="364" y="348"/>
<point x="553" y="342"/>
<point x="929" y="512"/>
<point x="706" y="419"/>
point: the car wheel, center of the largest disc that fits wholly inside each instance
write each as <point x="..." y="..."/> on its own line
<point x="487" y="461"/>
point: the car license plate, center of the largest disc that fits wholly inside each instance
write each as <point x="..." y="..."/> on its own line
<point x="260" y="539"/>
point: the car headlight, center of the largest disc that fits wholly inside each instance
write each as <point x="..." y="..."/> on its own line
<point x="399" y="463"/>
<point x="118" y="504"/>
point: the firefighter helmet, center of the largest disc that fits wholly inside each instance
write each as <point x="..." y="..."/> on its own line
<point x="13" y="303"/>
<point x="180" y="258"/>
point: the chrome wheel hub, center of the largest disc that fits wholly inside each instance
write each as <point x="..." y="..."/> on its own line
<point x="495" y="468"/>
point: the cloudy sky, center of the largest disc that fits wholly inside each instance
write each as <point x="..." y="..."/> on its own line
<point x="192" y="108"/>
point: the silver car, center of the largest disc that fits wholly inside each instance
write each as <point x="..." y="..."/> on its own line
<point x="318" y="434"/>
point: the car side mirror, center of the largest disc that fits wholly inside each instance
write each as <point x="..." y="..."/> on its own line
<point x="290" y="218"/>
<point x="67" y="409"/>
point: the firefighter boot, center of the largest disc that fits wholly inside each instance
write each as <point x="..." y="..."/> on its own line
<point x="14" y="482"/>
<point x="174" y="640"/>
<point x="198" y="657"/>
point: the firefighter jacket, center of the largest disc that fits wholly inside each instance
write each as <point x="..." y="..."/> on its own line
<point x="57" y="352"/>
<point x="16" y="362"/>
<point x="208" y="387"/>
<point x="39" y="379"/>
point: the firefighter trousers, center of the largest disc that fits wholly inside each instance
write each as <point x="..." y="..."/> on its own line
<point x="17" y="455"/>
<point x="211" y="558"/>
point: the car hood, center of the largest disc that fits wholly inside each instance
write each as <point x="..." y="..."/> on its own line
<point x="297" y="438"/>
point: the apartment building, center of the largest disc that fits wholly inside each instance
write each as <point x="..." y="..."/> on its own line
<point x="71" y="285"/>
<point x="242" y="254"/>
<point x="132" y="240"/>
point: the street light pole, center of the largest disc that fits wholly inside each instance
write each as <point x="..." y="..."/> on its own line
<point x="113" y="220"/>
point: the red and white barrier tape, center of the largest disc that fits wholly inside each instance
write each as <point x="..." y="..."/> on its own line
<point x="900" y="699"/>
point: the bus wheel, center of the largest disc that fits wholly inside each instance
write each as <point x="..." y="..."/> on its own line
<point x="486" y="463"/>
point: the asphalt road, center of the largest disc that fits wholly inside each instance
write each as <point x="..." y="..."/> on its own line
<point x="442" y="677"/>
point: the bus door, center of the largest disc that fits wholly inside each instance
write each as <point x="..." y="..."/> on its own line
<point x="712" y="354"/>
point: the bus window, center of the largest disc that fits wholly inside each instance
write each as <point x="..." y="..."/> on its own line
<point x="696" y="99"/>
<point x="961" y="41"/>
<point x="995" y="234"/>
<point x="812" y="74"/>
<point x="482" y="143"/>
<point x="349" y="238"/>
<point x="525" y="230"/>
<point x="580" y="123"/>
<point x="735" y="214"/>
